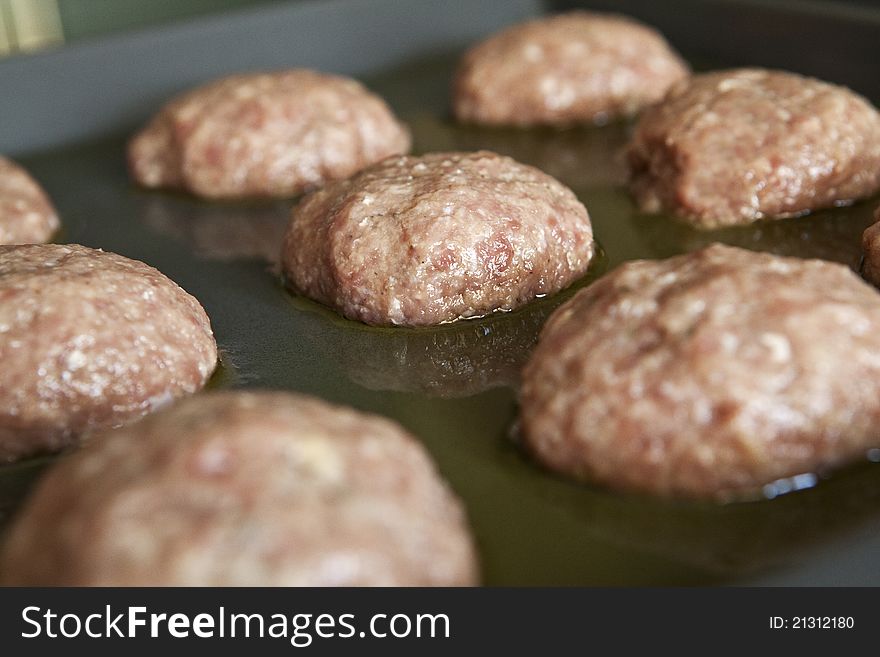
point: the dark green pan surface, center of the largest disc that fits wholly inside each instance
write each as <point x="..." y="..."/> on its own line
<point x="454" y="386"/>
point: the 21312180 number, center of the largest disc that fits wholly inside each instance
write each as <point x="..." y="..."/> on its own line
<point x="812" y="623"/>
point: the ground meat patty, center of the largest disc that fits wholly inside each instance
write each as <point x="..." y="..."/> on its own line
<point x="424" y="240"/>
<point x="90" y="339"/>
<point x="871" y="249"/>
<point x="570" y="68"/>
<point x="244" y="488"/>
<point x="26" y="214"/>
<point x="265" y="135"/>
<point x="707" y="374"/>
<point x="735" y="146"/>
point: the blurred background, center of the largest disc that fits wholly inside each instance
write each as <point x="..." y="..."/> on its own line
<point x="27" y="25"/>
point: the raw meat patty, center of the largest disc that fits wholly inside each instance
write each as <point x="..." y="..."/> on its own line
<point x="88" y="340"/>
<point x="710" y="374"/>
<point x="570" y="68"/>
<point x="244" y="489"/>
<point x="265" y="135"/>
<point x="735" y="146"/>
<point x="423" y="240"/>
<point x="26" y="214"/>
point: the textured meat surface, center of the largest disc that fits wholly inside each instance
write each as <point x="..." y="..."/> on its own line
<point x="26" y="214"/>
<point x="871" y="249"/>
<point x="424" y="240"/>
<point x="708" y="374"/>
<point x="90" y="339"/>
<point x="735" y="146"/>
<point x="570" y="68"/>
<point x="244" y="488"/>
<point x="265" y="135"/>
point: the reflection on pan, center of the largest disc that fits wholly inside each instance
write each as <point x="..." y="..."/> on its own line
<point x="829" y="235"/>
<point x="452" y="360"/>
<point x="222" y="231"/>
<point x="732" y="540"/>
<point x="15" y="482"/>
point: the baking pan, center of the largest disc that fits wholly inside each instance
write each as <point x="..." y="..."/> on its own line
<point x="67" y="114"/>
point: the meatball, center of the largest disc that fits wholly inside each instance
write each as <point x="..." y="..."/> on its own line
<point x="710" y="374"/>
<point x="871" y="249"/>
<point x="735" y="146"/>
<point x="244" y="489"/>
<point x="565" y="69"/>
<point x="423" y="240"/>
<point x="89" y="340"/>
<point x="26" y="214"/>
<point x="265" y="135"/>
